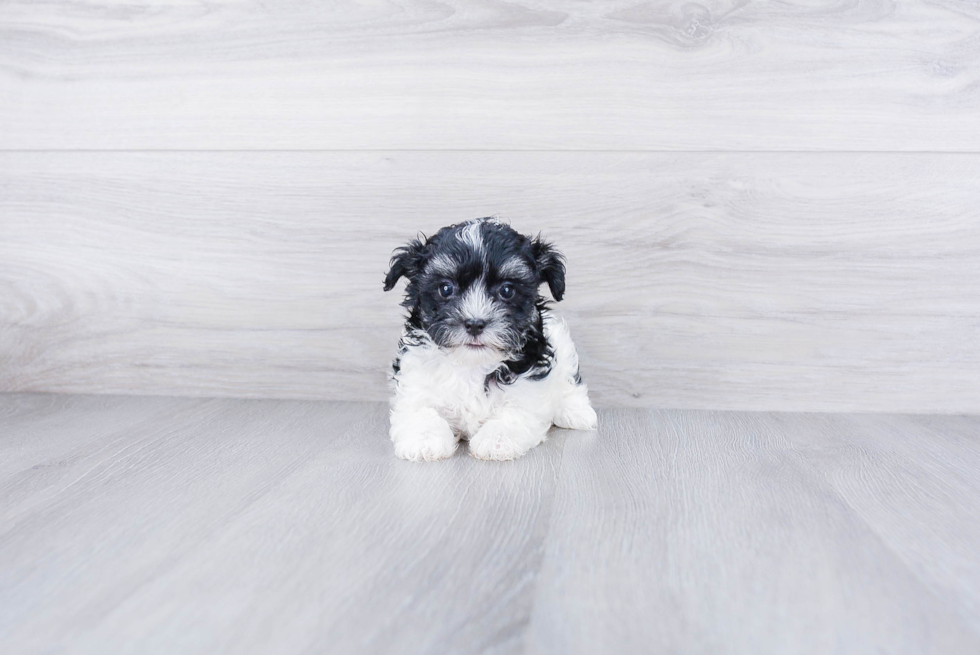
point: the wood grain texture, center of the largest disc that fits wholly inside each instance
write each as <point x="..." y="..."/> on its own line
<point x="257" y="526"/>
<point x="899" y="474"/>
<point x="265" y="526"/>
<point x="706" y="532"/>
<point x="741" y="280"/>
<point x="617" y="74"/>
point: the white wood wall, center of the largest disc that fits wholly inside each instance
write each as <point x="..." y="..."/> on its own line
<point x="764" y="205"/>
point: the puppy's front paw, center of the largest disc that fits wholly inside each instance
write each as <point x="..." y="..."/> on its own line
<point x="425" y="449"/>
<point x="498" y="440"/>
<point x="423" y="438"/>
<point x="577" y="415"/>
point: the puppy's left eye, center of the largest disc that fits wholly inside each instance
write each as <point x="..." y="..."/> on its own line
<point x="506" y="291"/>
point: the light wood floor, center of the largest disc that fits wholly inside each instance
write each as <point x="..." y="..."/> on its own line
<point x="174" y="525"/>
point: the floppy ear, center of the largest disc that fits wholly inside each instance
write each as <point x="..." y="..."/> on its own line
<point x="551" y="266"/>
<point x="407" y="261"/>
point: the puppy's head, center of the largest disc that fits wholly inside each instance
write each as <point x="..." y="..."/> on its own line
<point x="474" y="285"/>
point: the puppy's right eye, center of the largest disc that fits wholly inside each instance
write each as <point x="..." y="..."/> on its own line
<point x="446" y="289"/>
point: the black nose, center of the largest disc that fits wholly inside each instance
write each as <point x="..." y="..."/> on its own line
<point x="474" y="325"/>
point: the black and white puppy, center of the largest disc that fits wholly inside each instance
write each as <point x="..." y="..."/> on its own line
<point x="481" y="356"/>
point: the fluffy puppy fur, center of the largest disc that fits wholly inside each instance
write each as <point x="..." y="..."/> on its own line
<point x="481" y="356"/>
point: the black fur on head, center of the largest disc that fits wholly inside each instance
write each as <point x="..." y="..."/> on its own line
<point x="475" y="285"/>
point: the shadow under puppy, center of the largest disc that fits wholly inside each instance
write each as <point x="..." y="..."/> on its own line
<point x="481" y="356"/>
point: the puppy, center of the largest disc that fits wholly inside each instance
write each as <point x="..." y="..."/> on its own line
<point x="481" y="356"/>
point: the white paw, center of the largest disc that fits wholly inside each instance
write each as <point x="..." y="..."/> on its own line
<point x="496" y="440"/>
<point x="577" y="415"/>
<point x="424" y="440"/>
<point x="426" y="448"/>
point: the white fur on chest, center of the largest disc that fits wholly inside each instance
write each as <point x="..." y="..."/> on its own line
<point x="454" y="384"/>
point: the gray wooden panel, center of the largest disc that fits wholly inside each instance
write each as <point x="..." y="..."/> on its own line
<point x="617" y="74"/>
<point x="752" y="281"/>
<point x="698" y="532"/>
<point x="271" y="526"/>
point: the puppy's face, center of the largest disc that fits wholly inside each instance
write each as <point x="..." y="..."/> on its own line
<point x="474" y="286"/>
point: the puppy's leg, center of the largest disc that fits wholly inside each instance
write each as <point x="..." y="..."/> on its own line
<point x="421" y="435"/>
<point x="508" y="435"/>
<point x="575" y="411"/>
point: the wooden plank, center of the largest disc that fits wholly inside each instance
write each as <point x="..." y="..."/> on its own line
<point x="701" y="532"/>
<point x="35" y="426"/>
<point x="121" y="510"/>
<point x="47" y="438"/>
<point x="618" y="74"/>
<point x="250" y="526"/>
<point x="751" y="281"/>
<point x="916" y="482"/>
